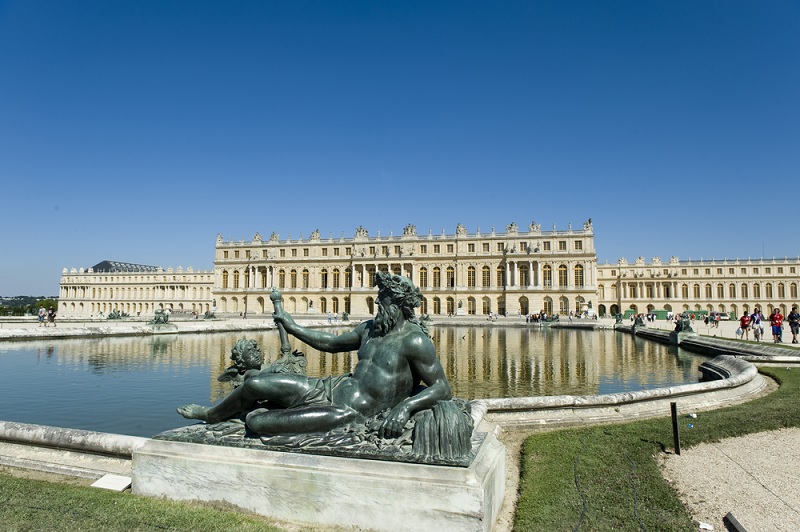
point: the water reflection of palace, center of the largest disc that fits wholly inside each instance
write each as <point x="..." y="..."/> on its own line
<point x="478" y="361"/>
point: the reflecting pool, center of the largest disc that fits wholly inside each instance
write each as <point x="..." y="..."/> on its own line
<point x="132" y="385"/>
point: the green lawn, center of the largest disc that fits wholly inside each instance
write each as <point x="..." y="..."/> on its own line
<point x="607" y="477"/>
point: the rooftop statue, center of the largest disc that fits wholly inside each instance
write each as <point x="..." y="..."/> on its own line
<point x="397" y="376"/>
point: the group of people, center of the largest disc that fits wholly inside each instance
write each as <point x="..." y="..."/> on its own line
<point x="753" y="322"/>
<point x="47" y="316"/>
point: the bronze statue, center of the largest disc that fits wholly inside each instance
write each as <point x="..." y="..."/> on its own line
<point x="397" y="371"/>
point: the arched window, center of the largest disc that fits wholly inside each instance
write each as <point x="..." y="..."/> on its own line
<point x="744" y="291"/>
<point x="437" y="279"/>
<point x="720" y="291"/>
<point x="451" y="277"/>
<point x="781" y="291"/>
<point x="348" y="280"/>
<point x="524" y="279"/>
<point x="451" y="306"/>
<point x="293" y="279"/>
<point x="423" y="277"/>
<point x="793" y="290"/>
<point x="732" y="291"/>
<point x="768" y="290"/>
<point x="685" y="291"/>
<point x="236" y="279"/>
<point x="486" y="277"/>
<point x="224" y="279"/>
<point x="336" y="284"/>
<point x="323" y="281"/>
<point x="547" y="278"/>
<point x="501" y="276"/>
<point x="282" y="279"/>
<point x="437" y="305"/>
<point x="696" y="291"/>
<point x="471" y="277"/>
<point x="305" y="278"/>
<point x="562" y="276"/>
<point x="757" y="291"/>
<point x="579" y="275"/>
<point x="708" y="291"/>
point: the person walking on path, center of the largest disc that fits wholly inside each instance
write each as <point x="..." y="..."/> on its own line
<point x="755" y="324"/>
<point x="42" y="316"/>
<point x="794" y="323"/>
<point x="51" y="316"/>
<point x="777" y="325"/>
<point x="744" y="323"/>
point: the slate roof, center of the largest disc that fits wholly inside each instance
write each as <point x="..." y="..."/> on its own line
<point x="112" y="266"/>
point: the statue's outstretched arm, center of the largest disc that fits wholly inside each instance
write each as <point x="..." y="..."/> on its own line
<point x="324" y="341"/>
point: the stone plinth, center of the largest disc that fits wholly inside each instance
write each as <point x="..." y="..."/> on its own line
<point x="676" y="337"/>
<point x="328" y="490"/>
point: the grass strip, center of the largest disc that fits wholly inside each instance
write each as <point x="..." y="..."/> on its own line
<point x="607" y="477"/>
<point x="32" y="505"/>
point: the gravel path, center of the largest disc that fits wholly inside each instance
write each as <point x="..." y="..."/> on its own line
<point x="754" y="477"/>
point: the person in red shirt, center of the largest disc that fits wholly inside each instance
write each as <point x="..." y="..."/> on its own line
<point x="744" y="323"/>
<point x="777" y="326"/>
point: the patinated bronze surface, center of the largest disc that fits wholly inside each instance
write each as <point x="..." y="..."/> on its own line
<point x="397" y="376"/>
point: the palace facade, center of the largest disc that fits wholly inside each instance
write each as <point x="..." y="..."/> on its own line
<point x="515" y="272"/>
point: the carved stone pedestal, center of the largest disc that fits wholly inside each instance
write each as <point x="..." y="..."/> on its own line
<point x="328" y="490"/>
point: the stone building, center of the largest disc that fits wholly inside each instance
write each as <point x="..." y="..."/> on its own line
<point x="514" y="272"/>
<point x="135" y="289"/>
<point x="729" y="286"/>
<point x="460" y="273"/>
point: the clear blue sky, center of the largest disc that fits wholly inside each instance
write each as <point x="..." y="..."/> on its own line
<point x="137" y="131"/>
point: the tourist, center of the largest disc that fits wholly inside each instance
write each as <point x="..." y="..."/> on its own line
<point x="777" y="325"/>
<point x="42" y="316"/>
<point x="395" y="356"/>
<point x="794" y="323"/>
<point x="51" y="316"/>
<point x="744" y="324"/>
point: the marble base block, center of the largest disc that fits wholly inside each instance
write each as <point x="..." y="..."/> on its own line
<point x="328" y="490"/>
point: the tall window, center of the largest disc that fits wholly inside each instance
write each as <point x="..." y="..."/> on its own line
<point x="336" y="282"/>
<point x="768" y="290"/>
<point x="547" y="277"/>
<point x="486" y="277"/>
<point x="708" y="291"/>
<point x="224" y="279"/>
<point x="793" y="290"/>
<point x="451" y="277"/>
<point x="696" y="291"/>
<point x="423" y="277"/>
<point x="293" y="278"/>
<point x="282" y="279"/>
<point x="437" y="278"/>
<point x="524" y="280"/>
<point x="236" y="279"/>
<point x="305" y="278"/>
<point x="757" y="291"/>
<point x="501" y="276"/>
<point x="685" y="291"/>
<point x="579" y="275"/>
<point x="324" y="279"/>
<point x="471" y="277"/>
<point x="720" y="291"/>
<point x="744" y="291"/>
<point x="348" y="279"/>
<point x="562" y="275"/>
<point x="370" y="276"/>
<point x="732" y="291"/>
<point x="781" y="291"/>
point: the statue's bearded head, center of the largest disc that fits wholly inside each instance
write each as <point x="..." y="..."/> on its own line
<point x="397" y="298"/>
